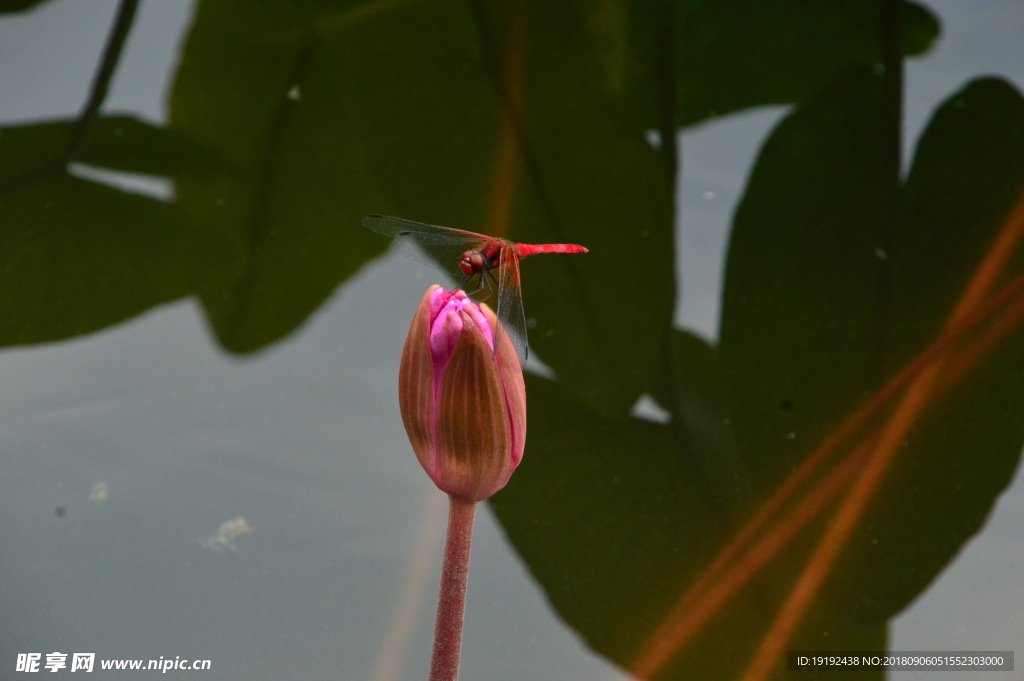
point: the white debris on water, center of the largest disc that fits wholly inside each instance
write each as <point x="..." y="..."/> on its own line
<point x="98" y="493"/>
<point x="226" y="535"/>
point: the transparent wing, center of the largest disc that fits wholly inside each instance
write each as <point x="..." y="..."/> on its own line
<point x="510" y="300"/>
<point x="434" y="246"/>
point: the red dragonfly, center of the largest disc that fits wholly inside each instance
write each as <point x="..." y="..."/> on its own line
<point x="467" y="255"/>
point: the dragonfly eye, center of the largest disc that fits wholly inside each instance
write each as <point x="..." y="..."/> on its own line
<point x="472" y="263"/>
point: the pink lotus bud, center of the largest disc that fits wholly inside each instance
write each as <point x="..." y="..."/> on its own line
<point x="463" y="404"/>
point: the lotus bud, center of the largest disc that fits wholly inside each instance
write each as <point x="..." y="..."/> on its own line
<point x="463" y="399"/>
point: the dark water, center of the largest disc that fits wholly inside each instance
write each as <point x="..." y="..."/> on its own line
<point x="197" y="331"/>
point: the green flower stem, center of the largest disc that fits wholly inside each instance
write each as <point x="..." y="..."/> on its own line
<point x="451" y="603"/>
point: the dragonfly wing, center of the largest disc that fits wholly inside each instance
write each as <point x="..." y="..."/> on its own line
<point x="434" y="246"/>
<point x="438" y="253"/>
<point x="510" y="300"/>
<point x="389" y="226"/>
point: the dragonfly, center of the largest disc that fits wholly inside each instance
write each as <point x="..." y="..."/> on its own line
<point x="468" y="255"/>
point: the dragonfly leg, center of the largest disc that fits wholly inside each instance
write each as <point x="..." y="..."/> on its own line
<point x="478" y="289"/>
<point x="487" y="282"/>
<point x="492" y="284"/>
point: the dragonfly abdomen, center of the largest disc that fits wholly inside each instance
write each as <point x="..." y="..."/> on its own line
<point x="524" y="250"/>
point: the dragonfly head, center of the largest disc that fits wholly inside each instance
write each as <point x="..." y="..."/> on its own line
<point x="472" y="262"/>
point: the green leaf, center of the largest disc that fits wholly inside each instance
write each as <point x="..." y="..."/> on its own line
<point x="396" y="109"/>
<point x="617" y="518"/>
<point x="962" y="455"/>
<point x="130" y="145"/>
<point x="28" y="150"/>
<point x="13" y="6"/>
<point x="588" y="176"/>
<point x="610" y="536"/>
<point x="290" y="121"/>
<point x="116" y="142"/>
<point x="735" y="54"/>
<point x="814" y="322"/>
<point x="800" y="322"/>
<point x="322" y="117"/>
<point x="77" y="257"/>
